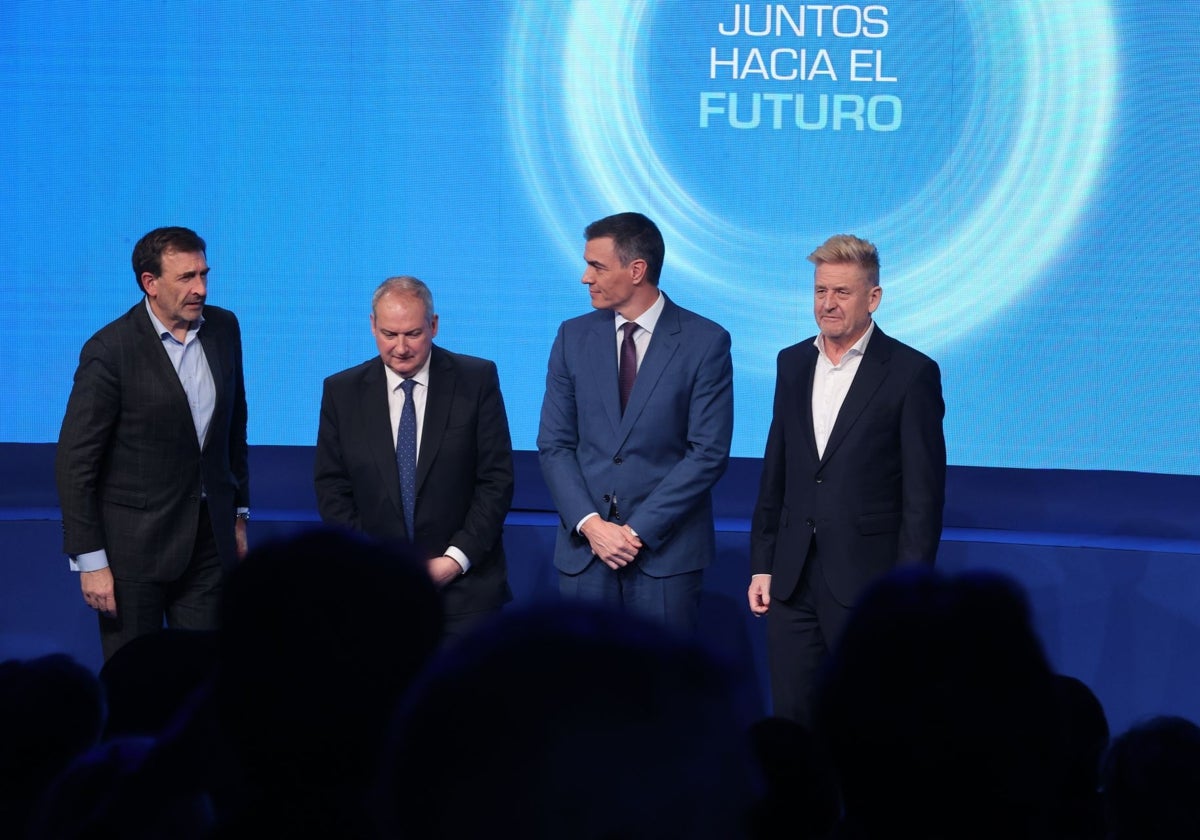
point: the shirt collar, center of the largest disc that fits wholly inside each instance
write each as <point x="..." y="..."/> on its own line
<point x="421" y="376"/>
<point x="648" y="320"/>
<point x="857" y="349"/>
<point x="162" y="330"/>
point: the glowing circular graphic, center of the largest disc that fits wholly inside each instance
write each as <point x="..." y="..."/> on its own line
<point x="1029" y="144"/>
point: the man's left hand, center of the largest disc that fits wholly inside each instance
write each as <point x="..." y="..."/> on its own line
<point x="239" y="536"/>
<point x="443" y="569"/>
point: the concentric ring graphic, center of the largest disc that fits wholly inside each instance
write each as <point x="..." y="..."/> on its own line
<point x="1029" y="148"/>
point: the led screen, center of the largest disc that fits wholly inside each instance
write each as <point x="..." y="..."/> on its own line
<point x="1029" y="171"/>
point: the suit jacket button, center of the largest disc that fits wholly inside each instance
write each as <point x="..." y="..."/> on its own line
<point x="617" y="459"/>
<point x="607" y="498"/>
<point x="819" y="479"/>
<point x="810" y="523"/>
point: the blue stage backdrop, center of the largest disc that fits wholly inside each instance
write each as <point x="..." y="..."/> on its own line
<point x="1028" y="168"/>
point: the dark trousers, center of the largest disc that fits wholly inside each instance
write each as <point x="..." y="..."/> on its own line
<point x="191" y="602"/>
<point x="801" y="631"/>
<point x="457" y="627"/>
<point x="673" y="601"/>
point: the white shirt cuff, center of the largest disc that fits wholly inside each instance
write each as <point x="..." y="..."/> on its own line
<point x="579" y="524"/>
<point x="455" y="554"/>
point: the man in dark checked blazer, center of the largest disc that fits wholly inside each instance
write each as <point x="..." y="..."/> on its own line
<point x="152" y="462"/>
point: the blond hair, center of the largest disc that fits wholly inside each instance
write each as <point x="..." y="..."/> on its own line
<point x="846" y="248"/>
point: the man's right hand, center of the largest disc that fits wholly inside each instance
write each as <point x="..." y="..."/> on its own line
<point x="615" y="545"/>
<point x="760" y="594"/>
<point x="98" y="591"/>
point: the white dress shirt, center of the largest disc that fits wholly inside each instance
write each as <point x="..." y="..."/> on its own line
<point x="831" y="383"/>
<point x="647" y="321"/>
<point x="420" y="396"/>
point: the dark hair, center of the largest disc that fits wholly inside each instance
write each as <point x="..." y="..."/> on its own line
<point x="574" y="694"/>
<point x="938" y="709"/>
<point x="149" y="250"/>
<point x="307" y="675"/>
<point x="634" y="237"/>
<point x="51" y="710"/>
<point x="1149" y="780"/>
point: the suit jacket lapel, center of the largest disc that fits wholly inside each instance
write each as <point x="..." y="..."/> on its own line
<point x="213" y="354"/>
<point x="160" y="363"/>
<point x="663" y="345"/>
<point x="872" y="371"/>
<point x="442" y="381"/>
<point x="803" y="395"/>
<point x="377" y="423"/>
<point x="600" y="362"/>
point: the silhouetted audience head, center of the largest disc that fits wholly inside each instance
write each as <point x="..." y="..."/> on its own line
<point x="1083" y="729"/>
<point x="570" y="721"/>
<point x="1151" y="781"/>
<point x="51" y="710"/>
<point x="103" y="794"/>
<point x="321" y="633"/>
<point x="939" y="711"/>
<point x="151" y="678"/>
<point x="800" y="800"/>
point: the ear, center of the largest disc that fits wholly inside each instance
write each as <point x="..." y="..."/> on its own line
<point x="433" y="324"/>
<point x="149" y="283"/>
<point x="876" y="296"/>
<point x="637" y="270"/>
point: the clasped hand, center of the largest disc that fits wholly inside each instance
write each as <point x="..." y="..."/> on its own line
<point x="615" y="545"/>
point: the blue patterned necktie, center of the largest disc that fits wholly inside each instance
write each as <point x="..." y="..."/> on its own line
<point x="406" y="455"/>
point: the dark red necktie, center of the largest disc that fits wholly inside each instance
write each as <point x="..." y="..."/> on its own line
<point x="628" y="369"/>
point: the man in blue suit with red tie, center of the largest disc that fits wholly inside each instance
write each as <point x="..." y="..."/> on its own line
<point x="635" y="431"/>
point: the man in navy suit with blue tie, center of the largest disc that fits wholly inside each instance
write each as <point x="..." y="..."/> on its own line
<point x="635" y="431"/>
<point x="413" y="445"/>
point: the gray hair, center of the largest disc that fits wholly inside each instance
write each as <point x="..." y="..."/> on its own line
<point x="405" y="285"/>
